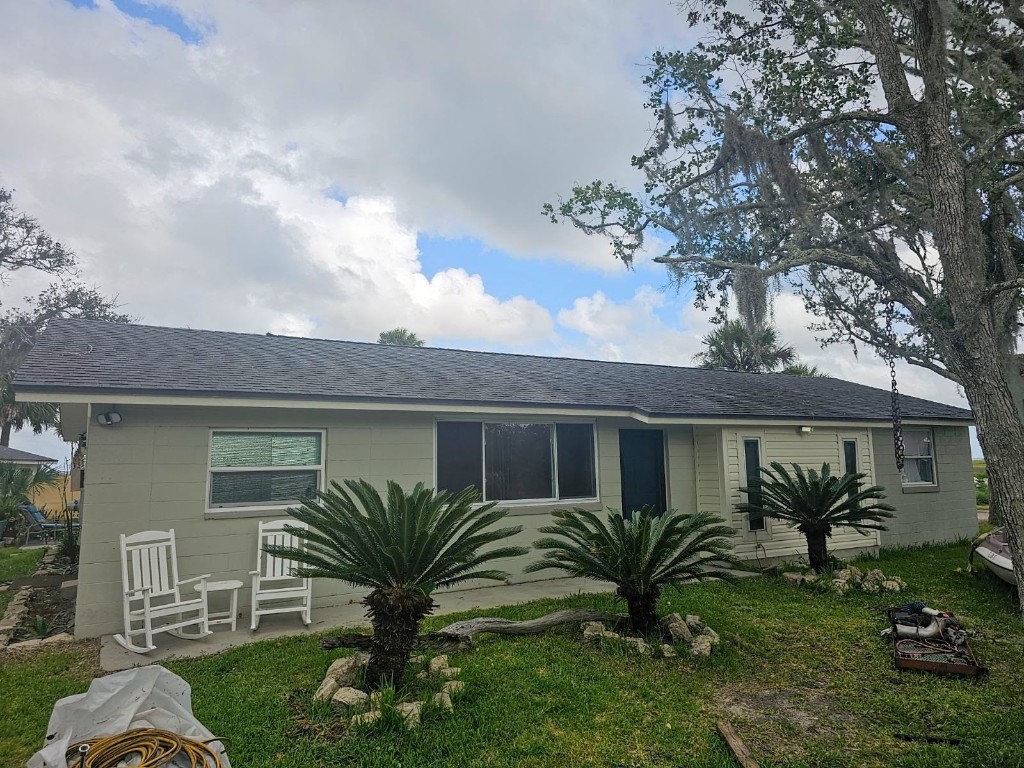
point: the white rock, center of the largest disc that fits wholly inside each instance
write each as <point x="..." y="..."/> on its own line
<point x="345" y="671"/>
<point x="422" y="675"/>
<point x="640" y="644"/>
<point x="668" y="651"/>
<point x="792" y="577"/>
<point x="443" y="701"/>
<point x="349" y="698"/>
<point x="411" y="711"/>
<point x="680" y="632"/>
<point x="450" y="672"/>
<point x="711" y="635"/>
<point x="891" y="585"/>
<point x="326" y="690"/>
<point x="693" y="622"/>
<point x="810" y="578"/>
<point x="841" y="586"/>
<point x="417" y="659"/>
<point x="453" y="686"/>
<point x="437" y="664"/>
<point x="366" y="718"/>
<point x="607" y="635"/>
<point x="701" y="646"/>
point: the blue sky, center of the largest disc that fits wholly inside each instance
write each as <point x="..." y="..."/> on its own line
<point x="336" y="169"/>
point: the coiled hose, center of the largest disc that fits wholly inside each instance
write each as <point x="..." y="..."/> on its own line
<point x="152" y="748"/>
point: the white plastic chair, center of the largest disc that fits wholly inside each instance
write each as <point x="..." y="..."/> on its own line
<point x="152" y="590"/>
<point x="273" y="582"/>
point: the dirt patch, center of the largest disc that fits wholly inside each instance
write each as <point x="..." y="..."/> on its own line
<point x="51" y="611"/>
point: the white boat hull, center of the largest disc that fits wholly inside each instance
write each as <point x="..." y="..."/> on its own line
<point x="995" y="553"/>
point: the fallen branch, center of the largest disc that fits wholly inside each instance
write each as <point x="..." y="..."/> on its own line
<point x="459" y="635"/>
<point x="736" y="745"/>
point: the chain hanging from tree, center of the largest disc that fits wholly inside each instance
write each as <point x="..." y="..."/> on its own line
<point x="890" y="356"/>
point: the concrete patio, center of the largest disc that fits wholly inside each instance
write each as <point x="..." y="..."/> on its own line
<point x="114" y="658"/>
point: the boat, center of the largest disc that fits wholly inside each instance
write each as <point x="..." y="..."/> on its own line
<point x="994" y="550"/>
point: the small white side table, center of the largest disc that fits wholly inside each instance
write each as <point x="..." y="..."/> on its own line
<point x="229" y="616"/>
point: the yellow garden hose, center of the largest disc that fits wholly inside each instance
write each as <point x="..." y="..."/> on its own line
<point x="150" y="746"/>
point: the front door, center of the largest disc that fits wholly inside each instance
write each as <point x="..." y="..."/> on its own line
<point x="642" y="461"/>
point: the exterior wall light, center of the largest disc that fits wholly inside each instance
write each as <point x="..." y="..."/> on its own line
<point x="108" y="419"/>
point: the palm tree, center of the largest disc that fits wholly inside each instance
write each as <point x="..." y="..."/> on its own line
<point x="803" y="369"/>
<point x="641" y="555"/>
<point x="734" y="347"/>
<point x="400" y="337"/>
<point x="402" y="549"/>
<point x="14" y="416"/>
<point x="815" y="503"/>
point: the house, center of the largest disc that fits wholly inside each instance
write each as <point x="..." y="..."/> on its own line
<point x="207" y="432"/>
<point x="23" y="458"/>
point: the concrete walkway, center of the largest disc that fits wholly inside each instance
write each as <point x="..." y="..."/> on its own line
<point x="114" y="658"/>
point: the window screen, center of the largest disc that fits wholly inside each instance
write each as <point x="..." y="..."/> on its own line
<point x="460" y="452"/>
<point x="577" y="477"/>
<point x="752" y="466"/>
<point x="518" y="462"/>
<point x="264" y="468"/>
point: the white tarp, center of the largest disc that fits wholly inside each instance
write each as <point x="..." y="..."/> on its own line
<point x="145" y="697"/>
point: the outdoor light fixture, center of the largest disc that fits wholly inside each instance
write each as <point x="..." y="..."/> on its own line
<point x="108" y="419"/>
<point x="806" y="430"/>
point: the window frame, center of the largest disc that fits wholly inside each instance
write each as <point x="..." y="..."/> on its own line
<point x="552" y="424"/>
<point x="923" y="486"/>
<point x="749" y="532"/>
<point x="257" y="510"/>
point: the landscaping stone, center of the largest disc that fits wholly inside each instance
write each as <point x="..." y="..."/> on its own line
<point x="711" y="635"/>
<point x="840" y="586"/>
<point x="38" y="642"/>
<point x="693" y="622"/>
<point x="410" y="710"/>
<point x="668" y="651"/>
<point x="16" y="611"/>
<point x="607" y="635"/>
<point x="639" y="644"/>
<point x="345" y="671"/>
<point x="680" y="631"/>
<point x="437" y="664"/>
<point x="792" y="577"/>
<point x="701" y="646"/>
<point x="366" y="718"/>
<point x="892" y="585"/>
<point x="350" y="699"/>
<point x="450" y="672"/>
<point x="810" y="578"/>
<point x="592" y="630"/>
<point x="422" y="675"/>
<point x="326" y="690"/>
<point x="443" y="701"/>
<point x="417" y="659"/>
<point x="453" y="686"/>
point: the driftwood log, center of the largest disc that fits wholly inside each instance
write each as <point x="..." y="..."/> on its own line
<point x="459" y="636"/>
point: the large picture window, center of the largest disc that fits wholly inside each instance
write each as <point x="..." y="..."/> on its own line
<point x="517" y="461"/>
<point x="919" y="457"/>
<point x="264" y="469"/>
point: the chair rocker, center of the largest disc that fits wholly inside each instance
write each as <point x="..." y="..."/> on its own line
<point x="273" y="581"/>
<point x="152" y="591"/>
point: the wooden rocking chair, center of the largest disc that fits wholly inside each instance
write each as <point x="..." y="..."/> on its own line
<point x="273" y="582"/>
<point x="149" y="573"/>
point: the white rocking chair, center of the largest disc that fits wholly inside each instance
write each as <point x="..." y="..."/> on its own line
<point x="273" y="582"/>
<point x="149" y="573"/>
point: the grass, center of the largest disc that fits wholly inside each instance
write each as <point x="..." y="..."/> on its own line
<point x="15" y="563"/>
<point x="808" y="683"/>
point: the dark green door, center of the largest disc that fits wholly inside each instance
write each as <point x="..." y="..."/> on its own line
<point x="642" y="461"/>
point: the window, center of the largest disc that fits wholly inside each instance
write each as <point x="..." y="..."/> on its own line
<point x="752" y="472"/>
<point x="850" y="465"/>
<point x="919" y="457"/>
<point x="264" y="469"/>
<point x="517" y="461"/>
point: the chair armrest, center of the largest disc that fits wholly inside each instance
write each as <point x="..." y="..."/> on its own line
<point x="254" y="573"/>
<point x="134" y="593"/>
<point x="204" y="577"/>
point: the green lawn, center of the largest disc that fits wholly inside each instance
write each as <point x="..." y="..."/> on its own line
<point x="15" y="563"/>
<point x="808" y="684"/>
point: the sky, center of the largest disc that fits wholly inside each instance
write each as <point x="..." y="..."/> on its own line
<point x="337" y="169"/>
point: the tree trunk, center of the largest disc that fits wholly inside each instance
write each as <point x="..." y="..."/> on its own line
<point x="395" y="615"/>
<point x="643" y="615"/>
<point x="817" y="549"/>
<point x="5" y="434"/>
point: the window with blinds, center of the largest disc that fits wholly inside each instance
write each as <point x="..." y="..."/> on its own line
<point x="264" y="469"/>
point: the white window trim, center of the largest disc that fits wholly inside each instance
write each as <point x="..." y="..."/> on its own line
<point x="843" y="440"/>
<point x="255" y="510"/>
<point x="554" y="459"/>
<point x="933" y="457"/>
<point x="748" y="532"/>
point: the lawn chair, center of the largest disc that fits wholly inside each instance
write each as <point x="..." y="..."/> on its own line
<point x="36" y="523"/>
<point x="149" y="573"/>
<point x="273" y="582"/>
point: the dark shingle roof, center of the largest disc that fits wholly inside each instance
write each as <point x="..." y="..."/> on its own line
<point x="23" y="457"/>
<point x="107" y="359"/>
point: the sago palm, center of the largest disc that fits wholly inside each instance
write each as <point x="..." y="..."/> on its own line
<point x="401" y="549"/>
<point x="641" y="555"/>
<point x="815" y="503"/>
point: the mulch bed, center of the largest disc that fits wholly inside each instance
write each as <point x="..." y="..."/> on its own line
<point x="51" y="611"/>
